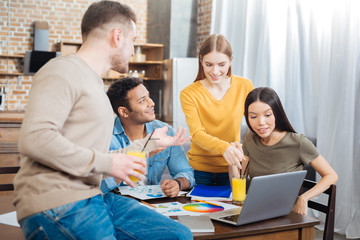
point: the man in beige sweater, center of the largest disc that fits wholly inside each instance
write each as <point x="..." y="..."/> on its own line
<point x="65" y="136"/>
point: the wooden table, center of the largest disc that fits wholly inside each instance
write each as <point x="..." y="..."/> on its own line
<point x="289" y="227"/>
<point x="7" y="231"/>
<point x="292" y="226"/>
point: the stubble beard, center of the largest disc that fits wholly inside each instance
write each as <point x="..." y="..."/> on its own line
<point x="118" y="65"/>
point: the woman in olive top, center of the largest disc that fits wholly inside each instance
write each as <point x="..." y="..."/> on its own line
<point x="272" y="146"/>
<point x="214" y="106"/>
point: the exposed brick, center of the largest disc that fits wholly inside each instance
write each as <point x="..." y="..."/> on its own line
<point x="64" y="19"/>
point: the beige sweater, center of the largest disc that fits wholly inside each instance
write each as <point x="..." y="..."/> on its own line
<point x="64" y="138"/>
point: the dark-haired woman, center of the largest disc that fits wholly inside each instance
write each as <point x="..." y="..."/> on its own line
<point x="214" y="106"/>
<point x="273" y="146"/>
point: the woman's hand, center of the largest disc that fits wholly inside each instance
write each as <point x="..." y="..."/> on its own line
<point x="234" y="155"/>
<point x="164" y="140"/>
<point x="301" y="206"/>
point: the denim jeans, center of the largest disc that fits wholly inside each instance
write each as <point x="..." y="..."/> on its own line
<point x="110" y="216"/>
<point x="214" y="179"/>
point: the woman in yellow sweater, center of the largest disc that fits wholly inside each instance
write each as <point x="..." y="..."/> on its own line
<point x="214" y="105"/>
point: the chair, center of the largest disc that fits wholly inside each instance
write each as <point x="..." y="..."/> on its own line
<point x="7" y="170"/>
<point x="328" y="209"/>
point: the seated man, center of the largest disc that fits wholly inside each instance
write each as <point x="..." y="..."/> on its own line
<point x="135" y="119"/>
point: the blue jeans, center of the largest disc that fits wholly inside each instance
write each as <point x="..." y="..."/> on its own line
<point x="110" y="216"/>
<point x="214" y="179"/>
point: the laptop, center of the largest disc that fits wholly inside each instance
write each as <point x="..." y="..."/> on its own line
<point x="268" y="197"/>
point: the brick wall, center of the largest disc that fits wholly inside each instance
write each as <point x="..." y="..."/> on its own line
<point x="17" y="19"/>
<point x="64" y="17"/>
<point x="204" y="20"/>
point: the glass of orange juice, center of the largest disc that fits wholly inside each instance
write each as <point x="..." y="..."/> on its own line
<point x="238" y="190"/>
<point x="137" y="154"/>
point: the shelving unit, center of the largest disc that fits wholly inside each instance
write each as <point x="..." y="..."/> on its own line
<point x="67" y="48"/>
<point x="152" y="65"/>
<point x="13" y="73"/>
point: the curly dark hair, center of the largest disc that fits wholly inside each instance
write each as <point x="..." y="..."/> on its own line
<point x="118" y="92"/>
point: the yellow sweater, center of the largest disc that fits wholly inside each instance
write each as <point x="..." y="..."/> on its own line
<point x="213" y="124"/>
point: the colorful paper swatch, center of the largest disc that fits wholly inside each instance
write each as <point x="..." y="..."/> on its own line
<point x="202" y="208"/>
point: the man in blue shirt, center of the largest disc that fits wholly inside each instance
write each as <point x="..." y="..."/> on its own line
<point x="135" y="119"/>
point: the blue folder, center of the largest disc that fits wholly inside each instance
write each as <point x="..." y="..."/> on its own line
<point x="211" y="191"/>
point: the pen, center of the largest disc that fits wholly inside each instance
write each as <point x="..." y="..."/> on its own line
<point x="197" y="200"/>
<point x="148" y="204"/>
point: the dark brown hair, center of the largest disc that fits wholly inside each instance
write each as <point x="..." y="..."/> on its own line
<point x="213" y="43"/>
<point x="268" y="95"/>
<point x="100" y="13"/>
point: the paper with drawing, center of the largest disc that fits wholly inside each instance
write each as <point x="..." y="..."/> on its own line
<point x="144" y="192"/>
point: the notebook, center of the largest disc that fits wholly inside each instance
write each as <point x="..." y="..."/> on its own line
<point x="268" y="197"/>
<point x="197" y="223"/>
<point x="215" y="193"/>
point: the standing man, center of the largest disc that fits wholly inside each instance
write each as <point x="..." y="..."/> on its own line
<point x="135" y="119"/>
<point x="65" y="137"/>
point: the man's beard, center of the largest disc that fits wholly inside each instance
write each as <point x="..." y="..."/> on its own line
<point x="118" y="65"/>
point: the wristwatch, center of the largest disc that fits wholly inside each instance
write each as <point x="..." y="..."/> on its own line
<point x="178" y="181"/>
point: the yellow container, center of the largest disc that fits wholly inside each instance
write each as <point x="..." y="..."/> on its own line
<point x="238" y="190"/>
<point x="136" y="154"/>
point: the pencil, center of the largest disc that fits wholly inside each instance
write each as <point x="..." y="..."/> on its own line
<point x="148" y="204"/>
<point x="197" y="200"/>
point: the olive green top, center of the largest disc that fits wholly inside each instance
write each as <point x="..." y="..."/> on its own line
<point x="290" y="154"/>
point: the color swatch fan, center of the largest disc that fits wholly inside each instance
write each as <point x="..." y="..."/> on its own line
<point x="202" y="208"/>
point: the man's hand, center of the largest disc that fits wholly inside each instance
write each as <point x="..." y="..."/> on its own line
<point x="125" y="166"/>
<point x="170" y="187"/>
<point x="156" y="151"/>
<point x="164" y="140"/>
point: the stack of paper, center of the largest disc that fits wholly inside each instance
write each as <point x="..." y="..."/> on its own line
<point x="216" y="193"/>
<point x="197" y="223"/>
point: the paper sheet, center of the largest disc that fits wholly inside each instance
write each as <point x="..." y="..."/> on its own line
<point x="9" y="219"/>
<point x="145" y="192"/>
<point x="177" y="208"/>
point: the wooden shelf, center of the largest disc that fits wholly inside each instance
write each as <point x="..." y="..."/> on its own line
<point x="67" y="48"/>
<point x="2" y="73"/>
<point x="147" y="62"/>
<point x="154" y="53"/>
<point x="11" y="56"/>
<point x="15" y="56"/>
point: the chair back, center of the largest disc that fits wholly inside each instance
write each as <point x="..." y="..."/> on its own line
<point x="6" y="172"/>
<point x="328" y="209"/>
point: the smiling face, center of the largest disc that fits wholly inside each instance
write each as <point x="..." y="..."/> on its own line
<point x="142" y="106"/>
<point x="261" y="119"/>
<point x="216" y="66"/>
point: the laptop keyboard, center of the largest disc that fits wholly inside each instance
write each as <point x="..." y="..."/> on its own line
<point x="232" y="218"/>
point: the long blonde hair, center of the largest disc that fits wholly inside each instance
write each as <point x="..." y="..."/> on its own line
<point x="217" y="43"/>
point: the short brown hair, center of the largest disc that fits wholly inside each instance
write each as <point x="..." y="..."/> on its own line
<point x="100" y="13"/>
<point x="217" y="43"/>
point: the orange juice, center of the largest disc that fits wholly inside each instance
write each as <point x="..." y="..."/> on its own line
<point x="238" y="190"/>
<point x="137" y="154"/>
